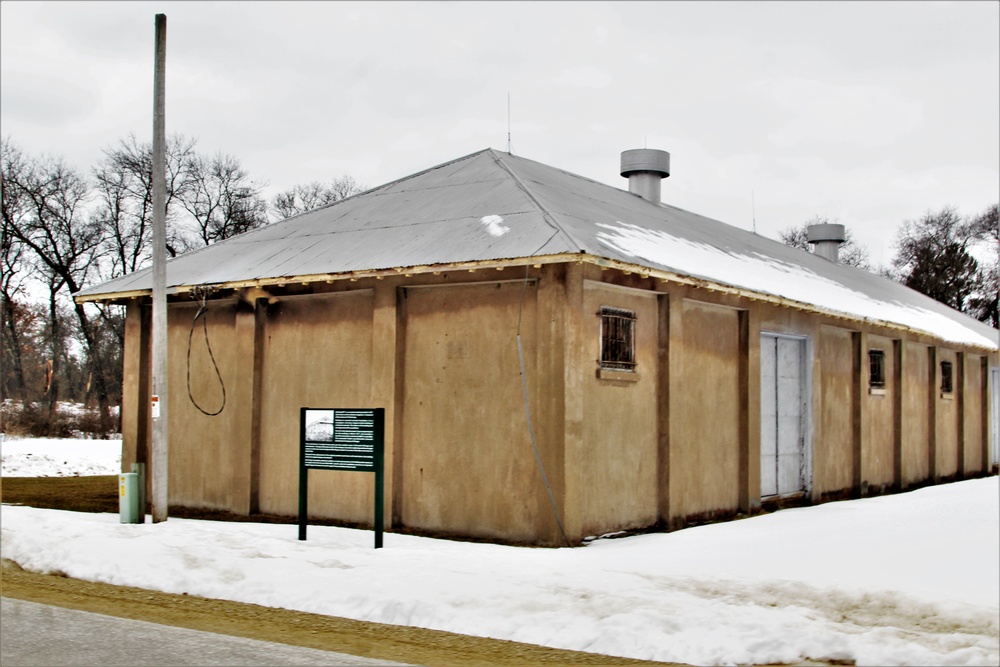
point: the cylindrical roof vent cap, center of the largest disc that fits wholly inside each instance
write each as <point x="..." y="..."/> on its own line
<point x="826" y="239"/>
<point x="645" y="168"/>
<point x="645" y="159"/>
<point x="826" y="232"/>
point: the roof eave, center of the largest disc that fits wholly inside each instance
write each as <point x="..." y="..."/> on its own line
<point x="499" y="264"/>
<point x="353" y="276"/>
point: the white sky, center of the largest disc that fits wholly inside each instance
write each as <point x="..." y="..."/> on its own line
<point x="866" y="112"/>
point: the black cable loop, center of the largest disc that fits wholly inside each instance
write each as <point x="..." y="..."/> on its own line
<point x="203" y="310"/>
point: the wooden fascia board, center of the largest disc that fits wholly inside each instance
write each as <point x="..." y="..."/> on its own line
<point x="500" y="264"/>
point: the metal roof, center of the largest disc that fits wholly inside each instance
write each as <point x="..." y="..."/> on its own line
<point x="496" y="206"/>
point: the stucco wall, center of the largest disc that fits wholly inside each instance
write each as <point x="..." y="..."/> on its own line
<point x="993" y="415"/>
<point x="617" y="469"/>
<point x="833" y="457"/>
<point x="203" y="450"/>
<point x="681" y="444"/>
<point x="917" y="422"/>
<point x="466" y="459"/>
<point x="317" y="353"/>
<point x="973" y="428"/>
<point x="705" y="408"/>
<point x="877" y="457"/>
<point x="946" y="418"/>
<point x="136" y="385"/>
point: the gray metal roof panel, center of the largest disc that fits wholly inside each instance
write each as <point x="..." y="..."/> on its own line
<point x="442" y="216"/>
<point x="618" y="225"/>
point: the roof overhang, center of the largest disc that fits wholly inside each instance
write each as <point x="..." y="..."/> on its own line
<point x="499" y="265"/>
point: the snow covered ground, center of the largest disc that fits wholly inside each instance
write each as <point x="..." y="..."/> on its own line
<point x="53" y="457"/>
<point x="906" y="579"/>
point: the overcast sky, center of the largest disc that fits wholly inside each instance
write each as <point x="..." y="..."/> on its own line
<point x="869" y="113"/>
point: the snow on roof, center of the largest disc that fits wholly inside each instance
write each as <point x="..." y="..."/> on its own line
<point x="492" y="206"/>
<point x="770" y="275"/>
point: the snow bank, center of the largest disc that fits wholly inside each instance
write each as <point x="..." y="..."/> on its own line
<point x="905" y="579"/>
<point x="52" y="457"/>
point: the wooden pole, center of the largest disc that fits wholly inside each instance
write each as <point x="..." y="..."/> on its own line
<point x="159" y="470"/>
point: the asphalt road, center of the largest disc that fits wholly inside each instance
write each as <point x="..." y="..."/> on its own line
<point x="40" y="635"/>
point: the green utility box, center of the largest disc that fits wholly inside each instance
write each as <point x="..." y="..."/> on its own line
<point x="128" y="497"/>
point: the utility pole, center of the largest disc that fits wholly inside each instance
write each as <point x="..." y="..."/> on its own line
<point x="159" y="470"/>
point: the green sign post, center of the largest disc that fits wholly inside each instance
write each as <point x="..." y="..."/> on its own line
<point x="350" y="439"/>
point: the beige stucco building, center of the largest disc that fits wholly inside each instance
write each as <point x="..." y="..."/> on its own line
<point x="675" y="369"/>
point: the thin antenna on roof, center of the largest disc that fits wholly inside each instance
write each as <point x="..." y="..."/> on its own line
<point x="753" y="211"/>
<point x="508" y="124"/>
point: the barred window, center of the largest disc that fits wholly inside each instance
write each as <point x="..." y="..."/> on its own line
<point x="876" y="369"/>
<point x="947" y="383"/>
<point x="617" y="339"/>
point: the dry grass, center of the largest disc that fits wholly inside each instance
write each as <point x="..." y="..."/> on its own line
<point x="80" y="494"/>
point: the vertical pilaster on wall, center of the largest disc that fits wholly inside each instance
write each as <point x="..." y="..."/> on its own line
<point x="547" y="395"/>
<point x="815" y="429"/>
<point x="749" y="412"/>
<point x="663" y="408"/>
<point x="932" y="401"/>
<point x="899" y="358"/>
<point x="394" y="453"/>
<point x="753" y="408"/>
<point x="984" y="412"/>
<point x="859" y="340"/>
<point x="144" y="432"/>
<point x="259" y="342"/>
<point x="675" y="361"/>
<point x="576" y="365"/>
<point x="136" y="385"/>
<point x="384" y="352"/>
<point x="959" y="386"/>
<point x="246" y="404"/>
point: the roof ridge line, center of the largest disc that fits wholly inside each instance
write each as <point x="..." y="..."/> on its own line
<point x="389" y="184"/>
<point x="547" y="215"/>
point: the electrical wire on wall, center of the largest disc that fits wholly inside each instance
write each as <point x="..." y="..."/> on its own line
<point x="202" y="313"/>
<point x="527" y="411"/>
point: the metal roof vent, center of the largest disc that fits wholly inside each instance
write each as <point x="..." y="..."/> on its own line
<point x="645" y="168"/>
<point x="826" y="239"/>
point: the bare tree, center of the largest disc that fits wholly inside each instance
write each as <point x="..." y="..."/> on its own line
<point x="302" y="198"/>
<point x="852" y="253"/>
<point x="985" y="228"/>
<point x="932" y="257"/>
<point x="61" y="232"/>
<point x="222" y="199"/>
<point x="13" y="272"/>
<point x="124" y="189"/>
<point x="67" y="244"/>
<point x="24" y="358"/>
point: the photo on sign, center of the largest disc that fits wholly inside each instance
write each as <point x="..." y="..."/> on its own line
<point x="319" y="425"/>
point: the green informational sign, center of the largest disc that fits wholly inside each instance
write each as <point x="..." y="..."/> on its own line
<point x="339" y="439"/>
<point x="347" y="439"/>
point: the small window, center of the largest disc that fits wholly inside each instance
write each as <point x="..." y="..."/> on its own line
<point x="876" y="369"/>
<point x="617" y="339"/>
<point x="947" y="384"/>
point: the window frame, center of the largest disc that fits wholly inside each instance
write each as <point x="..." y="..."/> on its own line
<point x="947" y="378"/>
<point x="876" y="371"/>
<point x="617" y="340"/>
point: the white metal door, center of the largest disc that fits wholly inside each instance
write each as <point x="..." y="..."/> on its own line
<point x="995" y="428"/>
<point x="782" y="403"/>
